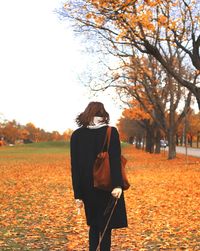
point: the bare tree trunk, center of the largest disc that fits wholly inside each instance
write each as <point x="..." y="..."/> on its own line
<point x="181" y="140"/>
<point x="150" y="140"/>
<point x="172" y="144"/>
<point x="198" y="138"/>
<point x="172" y="130"/>
<point x="157" y="141"/>
<point x="139" y="143"/>
<point x="177" y="140"/>
<point x="191" y="140"/>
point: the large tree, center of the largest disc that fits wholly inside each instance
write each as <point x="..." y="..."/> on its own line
<point x="153" y="96"/>
<point x="154" y="27"/>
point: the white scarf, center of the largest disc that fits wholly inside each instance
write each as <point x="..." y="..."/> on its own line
<point x="97" y="123"/>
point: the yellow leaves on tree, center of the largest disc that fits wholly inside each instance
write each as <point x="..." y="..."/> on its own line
<point x="162" y="20"/>
<point x="67" y="134"/>
<point x="139" y="68"/>
<point x="99" y="20"/>
<point x="190" y="126"/>
<point x="143" y="17"/>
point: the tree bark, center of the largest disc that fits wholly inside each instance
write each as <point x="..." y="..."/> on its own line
<point x="150" y="140"/>
<point x="157" y="141"/>
<point x="172" y="127"/>
<point x="198" y="138"/>
<point x="172" y="144"/>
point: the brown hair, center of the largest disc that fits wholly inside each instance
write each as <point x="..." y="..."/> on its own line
<point x="93" y="109"/>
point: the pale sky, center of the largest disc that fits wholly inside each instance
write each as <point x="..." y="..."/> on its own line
<point x="40" y="62"/>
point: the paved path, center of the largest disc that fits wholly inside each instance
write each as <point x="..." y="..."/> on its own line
<point x="191" y="151"/>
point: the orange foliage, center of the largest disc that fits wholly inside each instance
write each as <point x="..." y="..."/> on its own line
<point x="136" y="111"/>
<point x="122" y="135"/>
<point x="67" y="134"/>
<point x="147" y="13"/>
<point x="38" y="210"/>
<point x="192" y="124"/>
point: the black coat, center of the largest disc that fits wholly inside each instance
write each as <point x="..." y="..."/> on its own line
<point x="85" y="144"/>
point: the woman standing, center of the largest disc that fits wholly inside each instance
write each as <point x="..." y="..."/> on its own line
<point x="86" y="142"/>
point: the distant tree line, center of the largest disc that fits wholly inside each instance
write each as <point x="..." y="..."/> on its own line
<point x="12" y="132"/>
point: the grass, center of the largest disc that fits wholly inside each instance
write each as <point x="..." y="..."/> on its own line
<point x="36" y="148"/>
<point x="34" y="152"/>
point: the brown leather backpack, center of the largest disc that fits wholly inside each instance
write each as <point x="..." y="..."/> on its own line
<point x="101" y="168"/>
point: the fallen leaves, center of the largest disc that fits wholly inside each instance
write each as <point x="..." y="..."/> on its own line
<point x="163" y="204"/>
<point x="38" y="210"/>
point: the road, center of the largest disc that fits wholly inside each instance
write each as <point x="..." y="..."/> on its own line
<point x="191" y="151"/>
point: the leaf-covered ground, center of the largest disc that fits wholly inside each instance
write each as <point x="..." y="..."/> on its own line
<point x="37" y="210"/>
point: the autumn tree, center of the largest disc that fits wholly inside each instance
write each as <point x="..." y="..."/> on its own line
<point x="152" y="27"/>
<point x="67" y="134"/>
<point x="55" y="136"/>
<point x="33" y="132"/>
<point x="131" y="131"/>
<point x="11" y="131"/>
<point x="141" y="122"/>
<point x="188" y="131"/>
<point x="193" y="127"/>
<point x="153" y="96"/>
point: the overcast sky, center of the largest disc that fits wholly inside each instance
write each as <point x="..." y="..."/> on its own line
<point x="40" y="62"/>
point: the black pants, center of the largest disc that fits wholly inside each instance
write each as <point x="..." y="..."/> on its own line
<point x="94" y="234"/>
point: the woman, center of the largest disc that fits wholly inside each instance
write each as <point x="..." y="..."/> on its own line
<point x="86" y="142"/>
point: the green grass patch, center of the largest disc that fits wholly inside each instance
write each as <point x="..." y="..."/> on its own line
<point x="33" y="152"/>
<point x="36" y="148"/>
<point x="124" y="144"/>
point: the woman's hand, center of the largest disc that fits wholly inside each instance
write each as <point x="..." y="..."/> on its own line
<point x="116" y="192"/>
<point x="79" y="205"/>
